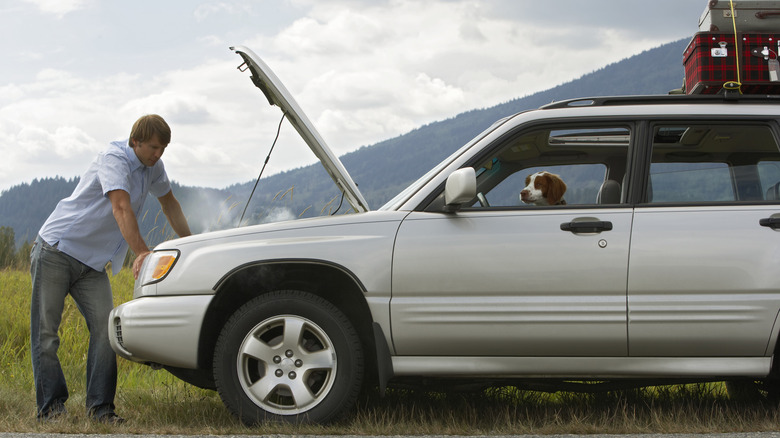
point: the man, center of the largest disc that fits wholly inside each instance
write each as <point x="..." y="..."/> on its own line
<point x="86" y="231"/>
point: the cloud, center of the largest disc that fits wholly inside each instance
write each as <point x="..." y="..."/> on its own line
<point x="59" y="7"/>
<point x="363" y="71"/>
<point x="207" y="10"/>
<point x="58" y="122"/>
<point x="179" y="107"/>
<point x="354" y="70"/>
<point x="34" y="148"/>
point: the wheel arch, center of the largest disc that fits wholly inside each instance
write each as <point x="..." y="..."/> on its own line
<point x="331" y="281"/>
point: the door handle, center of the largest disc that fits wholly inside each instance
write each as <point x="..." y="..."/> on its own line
<point x="587" y="226"/>
<point x="771" y="222"/>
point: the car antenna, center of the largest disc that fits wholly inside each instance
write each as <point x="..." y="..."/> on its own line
<point x="268" y="157"/>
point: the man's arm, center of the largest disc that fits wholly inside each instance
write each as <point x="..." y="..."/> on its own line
<point x="128" y="226"/>
<point x="172" y="210"/>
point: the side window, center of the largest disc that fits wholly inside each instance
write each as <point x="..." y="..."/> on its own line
<point x="583" y="182"/>
<point x="712" y="163"/>
<point x="583" y="158"/>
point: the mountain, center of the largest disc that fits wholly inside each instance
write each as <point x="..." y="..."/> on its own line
<point x="380" y="170"/>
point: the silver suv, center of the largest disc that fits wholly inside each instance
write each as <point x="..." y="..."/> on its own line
<point x="657" y="266"/>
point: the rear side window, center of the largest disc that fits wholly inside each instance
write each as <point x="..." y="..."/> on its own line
<point x="697" y="182"/>
<point x="713" y="163"/>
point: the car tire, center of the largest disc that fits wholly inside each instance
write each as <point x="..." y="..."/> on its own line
<point x="288" y="356"/>
<point x="743" y="390"/>
<point x="752" y="391"/>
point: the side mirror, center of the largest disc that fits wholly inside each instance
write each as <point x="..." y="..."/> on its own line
<point x="461" y="187"/>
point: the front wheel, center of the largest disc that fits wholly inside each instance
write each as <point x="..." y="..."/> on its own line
<point x="288" y="356"/>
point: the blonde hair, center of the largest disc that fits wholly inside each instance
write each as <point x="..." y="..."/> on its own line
<point x="148" y="126"/>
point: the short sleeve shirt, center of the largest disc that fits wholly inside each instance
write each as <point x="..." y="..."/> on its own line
<point x="83" y="224"/>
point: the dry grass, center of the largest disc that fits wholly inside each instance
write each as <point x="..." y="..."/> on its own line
<point x="155" y="402"/>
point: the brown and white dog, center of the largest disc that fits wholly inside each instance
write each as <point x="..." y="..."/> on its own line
<point x="543" y="188"/>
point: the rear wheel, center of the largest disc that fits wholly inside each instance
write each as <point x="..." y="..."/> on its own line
<point x="288" y="356"/>
<point x="747" y="390"/>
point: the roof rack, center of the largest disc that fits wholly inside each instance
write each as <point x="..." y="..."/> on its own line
<point x="661" y="99"/>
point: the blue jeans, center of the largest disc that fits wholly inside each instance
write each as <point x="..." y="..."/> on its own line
<point x="54" y="276"/>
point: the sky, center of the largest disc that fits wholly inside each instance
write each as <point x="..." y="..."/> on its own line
<point x="76" y="74"/>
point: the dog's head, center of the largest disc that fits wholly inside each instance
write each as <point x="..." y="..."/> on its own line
<point x="543" y="188"/>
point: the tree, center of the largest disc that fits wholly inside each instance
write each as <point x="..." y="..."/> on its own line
<point x="7" y="247"/>
<point x="23" y="256"/>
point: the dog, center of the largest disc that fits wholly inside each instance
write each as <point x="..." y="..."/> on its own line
<point x="543" y="188"/>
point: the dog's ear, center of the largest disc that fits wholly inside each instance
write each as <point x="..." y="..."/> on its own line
<point x="555" y="188"/>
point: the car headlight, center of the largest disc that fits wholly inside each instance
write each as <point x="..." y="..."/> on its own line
<point x="157" y="266"/>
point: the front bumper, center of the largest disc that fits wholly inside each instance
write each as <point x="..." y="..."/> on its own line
<point x="159" y="330"/>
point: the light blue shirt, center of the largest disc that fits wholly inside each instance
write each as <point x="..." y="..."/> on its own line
<point x="83" y="225"/>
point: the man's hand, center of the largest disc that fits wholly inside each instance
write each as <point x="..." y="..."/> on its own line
<point x="138" y="262"/>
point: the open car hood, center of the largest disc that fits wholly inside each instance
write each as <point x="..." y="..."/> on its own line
<point x="277" y="94"/>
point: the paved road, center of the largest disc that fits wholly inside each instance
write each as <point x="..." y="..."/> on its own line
<point x="683" y="435"/>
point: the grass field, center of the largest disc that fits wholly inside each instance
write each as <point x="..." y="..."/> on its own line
<point x="156" y="402"/>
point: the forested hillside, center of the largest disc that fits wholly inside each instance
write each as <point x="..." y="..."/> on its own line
<point x="380" y="170"/>
<point x="23" y="208"/>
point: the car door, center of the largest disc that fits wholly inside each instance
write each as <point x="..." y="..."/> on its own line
<point x="512" y="279"/>
<point x="703" y="275"/>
